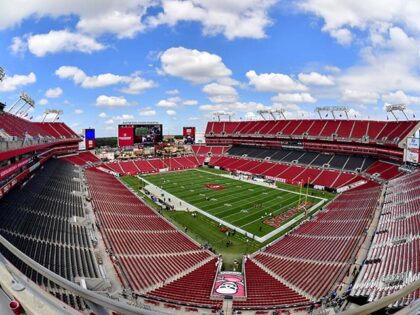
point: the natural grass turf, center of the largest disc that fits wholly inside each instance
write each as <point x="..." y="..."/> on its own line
<point x="205" y="230"/>
<point x="242" y="204"/>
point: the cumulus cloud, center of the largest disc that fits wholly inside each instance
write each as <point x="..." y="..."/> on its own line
<point x="219" y="93"/>
<point x="237" y="106"/>
<point x="392" y="66"/>
<point x="53" y="92"/>
<point x="18" y="46"/>
<point x="122" y="18"/>
<point x="190" y="102"/>
<point x="399" y="97"/>
<point x="135" y="84"/>
<point x="123" y="24"/>
<point x="357" y="96"/>
<point x="111" y="101"/>
<point x="64" y="40"/>
<point x="171" y="102"/>
<point x="193" y="65"/>
<point x="16" y="81"/>
<point x="123" y="117"/>
<point x="78" y="111"/>
<point x="103" y="115"/>
<point x="342" y="35"/>
<point x="294" y="98"/>
<point x="171" y="112"/>
<point x="233" y="19"/>
<point x="172" y="92"/>
<point x="315" y="78"/>
<point x="147" y="111"/>
<point x="43" y="101"/>
<point x="274" y="82"/>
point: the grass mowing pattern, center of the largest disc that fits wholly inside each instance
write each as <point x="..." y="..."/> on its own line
<point x="242" y="204"/>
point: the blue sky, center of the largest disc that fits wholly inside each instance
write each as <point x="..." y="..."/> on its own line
<point x="177" y="62"/>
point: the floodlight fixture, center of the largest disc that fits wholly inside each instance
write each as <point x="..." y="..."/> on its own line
<point x="392" y="108"/>
<point x="55" y="112"/>
<point x="2" y="74"/>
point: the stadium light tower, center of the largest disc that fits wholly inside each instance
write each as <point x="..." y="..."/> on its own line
<point x="391" y="108"/>
<point x="219" y="115"/>
<point x="279" y="111"/>
<point x="272" y="113"/>
<point x="2" y="74"/>
<point x="333" y="110"/>
<point x="55" y="112"/>
<point x="27" y="101"/>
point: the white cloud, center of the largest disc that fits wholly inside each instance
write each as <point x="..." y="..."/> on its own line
<point x="123" y="117"/>
<point x="288" y="107"/>
<point x="294" y="98"/>
<point x="18" y="46"/>
<point x="190" y="102"/>
<point x="111" y="101"/>
<point x="357" y="96"/>
<point x="193" y="65"/>
<point x="399" y="97"/>
<point x="16" y="81"/>
<point x="172" y="92"/>
<point x="332" y="69"/>
<point x="109" y="122"/>
<point x="54" y="92"/>
<point x="237" y="106"/>
<point x="103" y="115"/>
<point x="43" y="101"/>
<point x="342" y="35"/>
<point x="124" y="25"/>
<point x="219" y="93"/>
<point x="233" y="19"/>
<point x="148" y="111"/>
<point x="78" y="111"/>
<point x="392" y="66"/>
<point x="135" y="84"/>
<point x="171" y="102"/>
<point x="315" y="78"/>
<point x="274" y="82"/>
<point x="171" y="112"/>
<point x="64" y="40"/>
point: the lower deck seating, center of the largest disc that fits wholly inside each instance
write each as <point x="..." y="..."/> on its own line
<point x="82" y="158"/>
<point x="145" y="248"/>
<point x="393" y="260"/>
<point x="36" y="219"/>
<point x="316" y="256"/>
<point x="155" y="165"/>
<point x="384" y="170"/>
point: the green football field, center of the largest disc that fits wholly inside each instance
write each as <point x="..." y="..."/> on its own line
<point x="242" y="204"/>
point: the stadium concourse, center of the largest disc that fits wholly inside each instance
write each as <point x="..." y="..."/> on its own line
<point x="70" y="213"/>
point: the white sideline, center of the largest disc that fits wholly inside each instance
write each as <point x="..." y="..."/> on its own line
<point x="175" y="201"/>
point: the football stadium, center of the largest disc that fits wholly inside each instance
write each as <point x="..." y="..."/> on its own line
<point x="140" y="176"/>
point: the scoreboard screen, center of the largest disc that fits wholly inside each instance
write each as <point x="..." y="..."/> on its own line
<point x="141" y="133"/>
<point x="90" y="139"/>
<point x="89" y="134"/>
<point x="188" y="135"/>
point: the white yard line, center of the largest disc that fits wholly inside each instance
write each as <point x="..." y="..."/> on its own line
<point x="175" y="201"/>
<point x="260" y="184"/>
